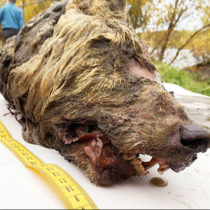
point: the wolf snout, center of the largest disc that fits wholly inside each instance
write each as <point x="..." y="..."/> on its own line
<point x="191" y="138"/>
<point x="188" y="140"/>
<point x="194" y="137"/>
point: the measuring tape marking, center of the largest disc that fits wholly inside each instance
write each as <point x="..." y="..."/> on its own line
<point x="72" y="194"/>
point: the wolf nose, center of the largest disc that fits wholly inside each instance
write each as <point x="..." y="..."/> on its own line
<point x="194" y="137"/>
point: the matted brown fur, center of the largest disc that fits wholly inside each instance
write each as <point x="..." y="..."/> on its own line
<point x="79" y="75"/>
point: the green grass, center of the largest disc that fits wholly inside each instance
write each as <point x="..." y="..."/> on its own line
<point x="183" y="78"/>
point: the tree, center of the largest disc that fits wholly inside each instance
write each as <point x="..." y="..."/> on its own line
<point x="3" y="2"/>
<point x="33" y="7"/>
<point x="174" y="18"/>
<point x="138" y="15"/>
<point x="196" y="33"/>
<point x="167" y="16"/>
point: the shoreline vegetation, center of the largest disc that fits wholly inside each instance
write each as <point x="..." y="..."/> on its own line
<point x="183" y="78"/>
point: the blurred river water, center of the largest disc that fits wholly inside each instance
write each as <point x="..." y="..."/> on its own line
<point x="184" y="59"/>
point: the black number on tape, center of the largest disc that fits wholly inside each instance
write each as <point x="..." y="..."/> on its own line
<point x="69" y="188"/>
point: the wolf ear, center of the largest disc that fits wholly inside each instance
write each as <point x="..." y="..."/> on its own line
<point x="116" y="5"/>
<point x="100" y="7"/>
<point x="105" y="7"/>
<point x="112" y="5"/>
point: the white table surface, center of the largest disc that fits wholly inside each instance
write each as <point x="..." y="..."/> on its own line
<point x="23" y="189"/>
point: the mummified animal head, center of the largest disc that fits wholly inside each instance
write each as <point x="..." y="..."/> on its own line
<point x="90" y="90"/>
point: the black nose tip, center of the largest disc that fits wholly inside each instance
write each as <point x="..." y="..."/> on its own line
<point x="194" y="137"/>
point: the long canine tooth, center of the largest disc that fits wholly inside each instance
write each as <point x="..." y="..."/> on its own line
<point x="136" y="163"/>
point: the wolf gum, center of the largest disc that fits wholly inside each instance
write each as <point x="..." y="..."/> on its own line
<point x="82" y="82"/>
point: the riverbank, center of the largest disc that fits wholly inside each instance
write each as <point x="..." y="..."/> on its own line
<point x="183" y="78"/>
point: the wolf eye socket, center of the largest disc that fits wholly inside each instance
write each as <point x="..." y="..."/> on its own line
<point x="100" y="42"/>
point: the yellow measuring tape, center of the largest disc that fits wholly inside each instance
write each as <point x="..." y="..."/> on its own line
<point x="63" y="184"/>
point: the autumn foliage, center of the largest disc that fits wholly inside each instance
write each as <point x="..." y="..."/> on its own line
<point x="160" y="23"/>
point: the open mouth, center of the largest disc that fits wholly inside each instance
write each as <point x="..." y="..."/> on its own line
<point x="109" y="162"/>
<point x="112" y="165"/>
<point x="103" y="154"/>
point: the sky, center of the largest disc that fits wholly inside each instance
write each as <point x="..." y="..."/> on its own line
<point x="192" y="22"/>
